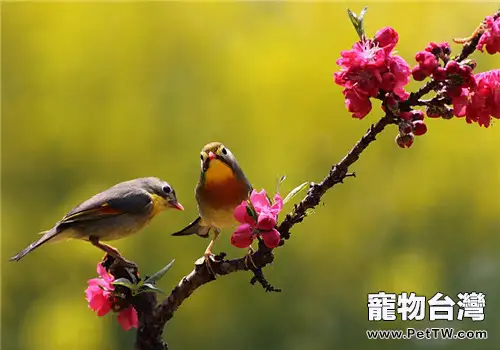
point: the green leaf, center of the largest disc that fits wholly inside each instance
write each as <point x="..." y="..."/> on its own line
<point x="149" y="287"/>
<point x="358" y="22"/>
<point x="279" y="181"/>
<point x="362" y="14"/>
<point x="124" y="282"/>
<point x="158" y="275"/>
<point x="295" y="191"/>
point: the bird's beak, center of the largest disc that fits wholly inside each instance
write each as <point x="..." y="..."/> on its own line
<point x="211" y="155"/>
<point x="177" y="206"/>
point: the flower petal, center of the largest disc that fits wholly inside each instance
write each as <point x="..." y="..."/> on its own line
<point x="271" y="238"/>
<point x="241" y="214"/>
<point x="101" y="271"/>
<point x="266" y="220"/>
<point x="91" y="291"/>
<point x="259" y="200"/>
<point x="243" y="236"/>
<point x="128" y="318"/>
<point x="106" y="278"/>
<point x="94" y="282"/>
<point x="387" y="38"/>
<point x="278" y="204"/>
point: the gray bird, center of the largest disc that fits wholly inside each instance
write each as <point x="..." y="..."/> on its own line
<point x="114" y="213"/>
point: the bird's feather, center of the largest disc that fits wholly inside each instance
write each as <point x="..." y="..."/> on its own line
<point x="47" y="235"/>
<point x="112" y="202"/>
<point x="194" y="228"/>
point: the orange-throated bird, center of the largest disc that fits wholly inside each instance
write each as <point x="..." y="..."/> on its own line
<point x="222" y="186"/>
<point x="115" y="213"/>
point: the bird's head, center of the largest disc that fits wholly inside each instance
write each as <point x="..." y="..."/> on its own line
<point x="162" y="191"/>
<point x="218" y="163"/>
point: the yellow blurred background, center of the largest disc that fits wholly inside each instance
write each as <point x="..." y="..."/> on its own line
<point x="94" y="94"/>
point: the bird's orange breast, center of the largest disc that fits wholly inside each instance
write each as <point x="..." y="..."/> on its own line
<point x="222" y="189"/>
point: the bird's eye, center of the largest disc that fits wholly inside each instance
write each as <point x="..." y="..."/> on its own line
<point x="167" y="189"/>
<point x="201" y="156"/>
<point x="224" y="150"/>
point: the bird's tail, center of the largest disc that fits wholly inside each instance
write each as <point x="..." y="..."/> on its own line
<point x="194" y="228"/>
<point x="47" y="235"/>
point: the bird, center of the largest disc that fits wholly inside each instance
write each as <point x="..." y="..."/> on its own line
<point x="117" y="212"/>
<point x="221" y="187"/>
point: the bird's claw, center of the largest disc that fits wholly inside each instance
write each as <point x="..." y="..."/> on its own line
<point x="209" y="258"/>
<point x="118" y="259"/>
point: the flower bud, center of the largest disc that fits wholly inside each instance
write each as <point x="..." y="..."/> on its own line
<point x="405" y="141"/>
<point x="445" y="47"/>
<point x="242" y="237"/>
<point x="433" y="112"/>
<point x="418" y="74"/>
<point x="439" y="74"/>
<point x="452" y="67"/>
<point x="446" y="112"/>
<point x="387" y="38"/>
<point x="417" y="114"/>
<point x="419" y="127"/>
<point x="405" y="128"/>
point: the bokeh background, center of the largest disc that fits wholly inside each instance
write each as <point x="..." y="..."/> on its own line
<point x="94" y="94"/>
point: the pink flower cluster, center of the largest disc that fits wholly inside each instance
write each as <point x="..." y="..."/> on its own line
<point x="257" y="217"/>
<point x="369" y="68"/>
<point x="490" y="39"/>
<point x="428" y="62"/>
<point x="99" y="295"/>
<point x="481" y="101"/>
<point x="475" y="97"/>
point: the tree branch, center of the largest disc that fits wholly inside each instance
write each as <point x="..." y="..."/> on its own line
<point x="337" y="174"/>
<point x="153" y="316"/>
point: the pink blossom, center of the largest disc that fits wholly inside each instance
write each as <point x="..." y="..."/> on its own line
<point x="369" y="67"/>
<point x="460" y="100"/>
<point x="98" y="300"/>
<point x="357" y="102"/>
<point x="263" y="224"/>
<point x="243" y="236"/>
<point x="128" y="318"/>
<point x="491" y="36"/>
<point x="401" y="71"/>
<point x="485" y="98"/>
<point x="259" y="200"/>
<point x="480" y="102"/>
<point x="98" y="293"/>
<point x="267" y="216"/>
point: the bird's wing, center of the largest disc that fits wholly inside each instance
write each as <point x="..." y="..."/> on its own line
<point x="112" y="202"/>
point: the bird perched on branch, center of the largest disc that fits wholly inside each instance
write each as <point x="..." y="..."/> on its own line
<point x="115" y="213"/>
<point x="221" y="187"/>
